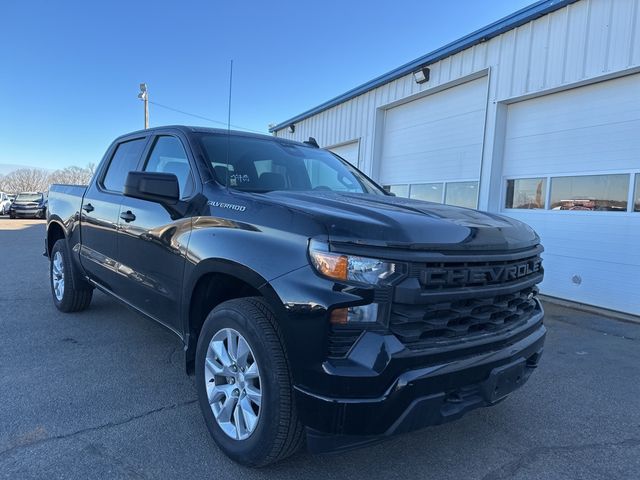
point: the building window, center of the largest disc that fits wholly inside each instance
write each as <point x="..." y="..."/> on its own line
<point x="399" y="190"/>
<point x="636" y="202"/>
<point x="526" y="193"/>
<point x="430" y="192"/>
<point x="590" y="192"/>
<point x="462" y="194"/>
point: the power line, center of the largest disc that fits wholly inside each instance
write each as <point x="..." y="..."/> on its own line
<point x="202" y="118"/>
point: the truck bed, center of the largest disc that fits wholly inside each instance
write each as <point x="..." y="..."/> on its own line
<point x="65" y="200"/>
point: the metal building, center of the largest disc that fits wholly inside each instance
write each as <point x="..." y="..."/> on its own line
<point x="536" y="116"/>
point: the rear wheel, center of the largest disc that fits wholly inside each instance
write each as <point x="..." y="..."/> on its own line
<point x="244" y="385"/>
<point x="66" y="296"/>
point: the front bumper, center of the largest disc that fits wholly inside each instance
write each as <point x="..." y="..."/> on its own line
<point x="429" y="395"/>
<point x="27" y="213"/>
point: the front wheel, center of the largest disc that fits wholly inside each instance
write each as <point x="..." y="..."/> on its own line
<point x="66" y="297"/>
<point x="244" y="385"/>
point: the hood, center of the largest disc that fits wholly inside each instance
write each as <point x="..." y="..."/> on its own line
<point x="381" y="220"/>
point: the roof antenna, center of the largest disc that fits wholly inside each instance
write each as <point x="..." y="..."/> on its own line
<point x="229" y="122"/>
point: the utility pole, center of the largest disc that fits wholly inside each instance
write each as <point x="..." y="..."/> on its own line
<point x="144" y="96"/>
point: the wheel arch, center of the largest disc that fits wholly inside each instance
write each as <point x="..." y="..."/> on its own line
<point x="212" y="282"/>
<point x="55" y="232"/>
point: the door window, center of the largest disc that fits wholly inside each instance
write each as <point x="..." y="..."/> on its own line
<point x="124" y="160"/>
<point x="168" y="156"/>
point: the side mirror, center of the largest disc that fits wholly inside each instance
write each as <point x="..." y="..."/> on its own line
<point x="162" y="188"/>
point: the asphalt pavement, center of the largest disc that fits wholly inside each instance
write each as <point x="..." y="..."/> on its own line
<point x="103" y="394"/>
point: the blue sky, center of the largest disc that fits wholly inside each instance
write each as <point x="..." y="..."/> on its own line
<point x="70" y="70"/>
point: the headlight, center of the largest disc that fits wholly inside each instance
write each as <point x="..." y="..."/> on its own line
<point x="348" y="267"/>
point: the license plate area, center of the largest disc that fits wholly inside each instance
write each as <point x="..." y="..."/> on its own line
<point x="504" y="380"/>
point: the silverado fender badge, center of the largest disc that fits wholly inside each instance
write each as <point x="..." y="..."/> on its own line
<point x="230" y="206"/>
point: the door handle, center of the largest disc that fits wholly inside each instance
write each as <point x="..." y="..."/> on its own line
<point x="87" y="207"/>
<point x="128" y="216"/>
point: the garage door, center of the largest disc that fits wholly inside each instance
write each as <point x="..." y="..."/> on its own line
<point x="348" y="151"/>
<point x="572" y="171"/>
<point x="435" y="139"/>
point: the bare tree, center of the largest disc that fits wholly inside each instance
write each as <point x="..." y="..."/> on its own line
<point x="38" y="180"/>
<point x="26" y="180"/>
<point x="72" y="175"/>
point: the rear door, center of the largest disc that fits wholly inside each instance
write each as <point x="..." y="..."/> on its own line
<point x="100" y="213"/>
<point x="151" y="244"/>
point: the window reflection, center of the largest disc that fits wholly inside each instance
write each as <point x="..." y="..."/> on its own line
<point x="637" y="194"/>
<point x="430" y="192"/>
<point x="462" y="194"/>
<point x="526" y="193"/>
<point x="590" y="192"/>
<point x="399" y="190"/>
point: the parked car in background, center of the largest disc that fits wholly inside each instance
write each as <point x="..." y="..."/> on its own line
<point x="29" y="205"/>
<point x="5" y="203"/>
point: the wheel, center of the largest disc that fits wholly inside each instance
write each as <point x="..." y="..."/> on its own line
<point x="66" y="296"/>
<point x="244" y="385"/>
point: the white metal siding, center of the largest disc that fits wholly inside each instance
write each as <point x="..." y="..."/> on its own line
<point x="435" y="138"/>
<point x="587" y="38"/>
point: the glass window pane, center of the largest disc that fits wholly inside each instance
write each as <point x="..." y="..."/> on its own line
<point x="264" y="165"/>
<point x="399" y="190"/>
<point x="637" y="194"/>
<point x="462" y="194"/>
<point x="431" y="192"/>
<point x="526" y="193"/>
<point x="124" y="160"/>
<point x="168" y="156"/>
<point x="590" y="192"/>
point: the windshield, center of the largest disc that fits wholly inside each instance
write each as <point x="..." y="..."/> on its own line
<point x="29" y="197"/>
<point x="262" y="165"/>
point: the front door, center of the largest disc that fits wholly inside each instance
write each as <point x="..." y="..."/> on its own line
<point x="151" y="244"/>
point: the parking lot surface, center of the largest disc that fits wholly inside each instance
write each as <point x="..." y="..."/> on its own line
<point x="103" y="394"/>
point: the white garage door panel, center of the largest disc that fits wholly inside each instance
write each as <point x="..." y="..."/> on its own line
<point x="602" y="250"/>
<point x="592" y="258"/>
<point x="588" y="128"/>
<point x="348" y="151"/>
<point x="438" y="137"/>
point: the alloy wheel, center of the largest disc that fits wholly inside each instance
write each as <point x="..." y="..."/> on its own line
<point x="57" y="276"/>
<point x="233" y="384"/>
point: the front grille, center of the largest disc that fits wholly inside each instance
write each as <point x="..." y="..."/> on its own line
<point x="421" y="326"/>
<point x="439" y="276"/>
<point x="455" y="300"/>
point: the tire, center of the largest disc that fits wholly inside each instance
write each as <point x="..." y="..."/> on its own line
<point x="278" y="432"/>
<point x="66" y="296"/>
<point x="11" y="216"/>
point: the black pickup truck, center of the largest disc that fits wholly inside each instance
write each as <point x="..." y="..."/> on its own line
<point x="312" y="305"/>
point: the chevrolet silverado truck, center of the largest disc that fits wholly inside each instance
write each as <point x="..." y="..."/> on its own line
<point x="313" y="306"/>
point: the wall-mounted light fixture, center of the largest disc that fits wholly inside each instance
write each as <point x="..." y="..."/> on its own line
<point x="292" y="128"/>
<point x="422" y="75"/>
